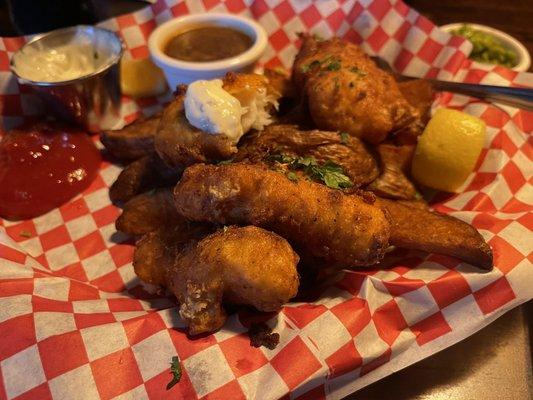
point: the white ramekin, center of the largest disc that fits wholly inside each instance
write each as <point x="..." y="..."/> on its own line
<point x="178" y="72"/>
<point x="524" y="59"/>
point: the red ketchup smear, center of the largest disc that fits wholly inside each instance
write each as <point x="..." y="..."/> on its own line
<point x="43" y="166"/>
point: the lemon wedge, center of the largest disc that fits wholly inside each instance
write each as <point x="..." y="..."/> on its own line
<point x="448" y="149"/>
<point x="141" y="78"/>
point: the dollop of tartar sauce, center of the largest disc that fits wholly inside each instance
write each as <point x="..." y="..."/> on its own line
<point x="211" y="109"/>
<point x="61" y="63"/>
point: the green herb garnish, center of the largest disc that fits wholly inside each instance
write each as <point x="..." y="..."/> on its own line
<point x="312" y="65"/>
<point x="334" y="65"/>
<point x="175" y="370"/>
<point x="358" y="71"/>
<point x="344" y="137"/>
<point x="225" y="162"/>
<point x="26" y="234"/>
<point x="292" y="176"/>
<point x="329" y="173"/>
<point x="330" y="63"/>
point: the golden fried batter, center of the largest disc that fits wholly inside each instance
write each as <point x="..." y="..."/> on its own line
<point x="147" y="212"/>
<point x="329" y="225"/>
<point x="419" y="229"/>
<point x="246" y="265"/>
<point x="348" y="152"/>
<point x="347" y="92"/>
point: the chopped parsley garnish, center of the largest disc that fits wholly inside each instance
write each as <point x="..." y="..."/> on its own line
<point x="225" y="162"/>
<point x="292" y="176"/>
<point x="330" y="63"/>
<point x="175" y="370"/>
<point x="358" y="71"/>
<point x="312" y="65"/>
<point x="329" y="173"/>
<point x="334" y="65"/>
<point x="344" y="137"/>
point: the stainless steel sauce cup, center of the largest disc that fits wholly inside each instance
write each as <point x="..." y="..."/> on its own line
<point x="91" y="100"/>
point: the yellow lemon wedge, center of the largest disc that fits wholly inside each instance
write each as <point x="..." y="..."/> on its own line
<point x="141" y="78"/>
<point x="448" y="149"/>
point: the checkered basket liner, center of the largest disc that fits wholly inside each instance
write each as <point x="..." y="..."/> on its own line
<point x="76" y="323"/>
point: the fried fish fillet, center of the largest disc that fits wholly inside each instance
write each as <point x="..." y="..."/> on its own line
<point x="348" y="152"/>
<point x="146" y="173"/>
<point x="203" y="269"/>
<point x="236" y="265"/>
<point x="325" y="223"/>
<point x="392" y="182"/>
<point x="134" y="141"/>
<point x="147" y="212"/>
<point x="420" y="229"/>
<point x="347" y="92"/>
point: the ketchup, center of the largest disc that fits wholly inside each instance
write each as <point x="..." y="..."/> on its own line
<point x="43" y="166"/>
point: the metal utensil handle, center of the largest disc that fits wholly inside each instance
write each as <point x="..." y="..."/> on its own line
<point x="512" y="96"/>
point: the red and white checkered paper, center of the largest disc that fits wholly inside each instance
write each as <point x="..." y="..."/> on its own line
<point x="75" y="323"/>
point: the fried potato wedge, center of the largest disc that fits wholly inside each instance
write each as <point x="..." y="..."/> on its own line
<point x="340" y="229"/>
<point x="147" y="212"/>
<point x="132" y="142"/>
<point x="419" y="229"/>
<point x="392" y="182"/>
<point x="348" y="152"/>
<point x="146" y="173"/>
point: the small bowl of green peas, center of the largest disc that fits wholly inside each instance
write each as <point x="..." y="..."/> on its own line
<point x="491" y="46"/>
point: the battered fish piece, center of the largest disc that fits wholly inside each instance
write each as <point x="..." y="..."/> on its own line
<point x="179" y="143"/>
<point x="419" y="93"/>
<point x="205" y="269"/>
<point x="146" y="173"/>
<point x="341" y="230"/>
<point x="395" y="161"/>
<point x="347" y="92"/>
<point x="236" y="265"/>
<point x="420" y="229"/>
<point x="132" y="142"/>
<point x="148" y="212"/>
<point x="156" y="251"/>
<point x="348" y="152"/>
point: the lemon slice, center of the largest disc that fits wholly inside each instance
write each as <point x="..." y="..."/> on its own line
<point x="141" y="78"/>
<point x="448" y="149"/>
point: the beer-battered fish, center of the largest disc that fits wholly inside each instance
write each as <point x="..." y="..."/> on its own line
<point x="341" y="230"/>
<point x="236" y="265"/>
<point x="347" y="92"/>
<point x="248" y="266"/>
<point x="420" y="229"/>
<point x="147" y="212"/>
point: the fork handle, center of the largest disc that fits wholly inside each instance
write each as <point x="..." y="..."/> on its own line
<point x="512" y="96"/>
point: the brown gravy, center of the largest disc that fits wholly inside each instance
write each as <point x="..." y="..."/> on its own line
<point x="209" y="43"/>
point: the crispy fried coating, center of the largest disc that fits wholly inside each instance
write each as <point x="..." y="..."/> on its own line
<point x="146" y="173"/>
<point x="147" y="212"/>
<point x="325" y="223"/>
<point x="156" y="251"/>
<point x="392" y="182"/>
<point x="280" y="81"/>
<point x="134" y="141"/>
<point x="179" y="143"/>
<point x="236" y="265"/>
<point x="419" y="229"/>
<point x="348" y="152"/>
<point x="347" y="92"/>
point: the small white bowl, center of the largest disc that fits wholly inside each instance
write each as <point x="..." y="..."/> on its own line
<point x="178" y="72"/>
<point x="524" y="59"/>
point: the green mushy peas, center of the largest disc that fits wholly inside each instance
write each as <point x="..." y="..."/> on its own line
<point x="487" y="48"/>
